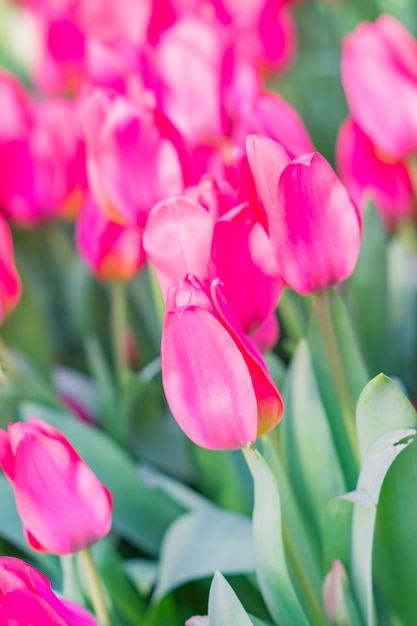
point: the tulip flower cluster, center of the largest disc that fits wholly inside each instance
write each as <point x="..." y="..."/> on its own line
<point x="198" y="276"/>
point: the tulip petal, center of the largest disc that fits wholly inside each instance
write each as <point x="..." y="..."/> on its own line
<point x="206" y="381"/>
<point x="315" y="229"/>
<point x="60" y="500"/>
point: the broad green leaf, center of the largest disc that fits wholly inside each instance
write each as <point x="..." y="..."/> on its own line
<point x="298" y="539"/>
<point x="369" y="314"/>
<point x="356" y="377"/>
<point x="142" y="573"/>
<point x="141" y="514"/>
<point x="309" y="444"/>
<point x="271" y="567"/>
<point x="374" y="468"/>
<point x="337" y="528"/>
<point x="382" y="407"/>
<point x="202" y="541"/>
<point x="225" y="608"/>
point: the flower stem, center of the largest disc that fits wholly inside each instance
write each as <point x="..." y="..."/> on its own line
<point x="95" y="587"/>
<point x="119" y="326"/>
<point x="322" y="309"/>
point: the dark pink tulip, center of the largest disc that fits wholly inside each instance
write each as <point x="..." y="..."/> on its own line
<point x="314" y="227"/>
<point x="243" y="259"/>
<point x="62" y="504"/>
<point x="365" y="173"/>
<point x="379" y="74"/>
<point x="26" y="597"/>
<point x="10" y="287"/>
<point x="112" y="251"/>
<point x="216" y="384"/>
<point x="132" y="162"/>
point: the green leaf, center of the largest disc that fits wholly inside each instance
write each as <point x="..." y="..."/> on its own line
<point x="382" y="407"/>
<point x="202" y="541"/>
<point x="225" y="608"/>
<point x="337" y="529"/>
<point x="271" y="566"/>
<point x="356" y="377"/>
<point x="141" y="514"/>
<point x="369" y="314"/>
<point x="308" y="439"/>
<point x="375" y="466"/>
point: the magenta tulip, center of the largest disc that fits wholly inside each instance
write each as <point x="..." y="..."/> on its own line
<point x="26" y="597"/>
<point x="112" y="251"/>
<point x="10" y="286"/>
<point x="367" y="175"/>
<point x="314" y="227"/>
<point x="216" y="383"/>
<point x="62" y="504"/>
<point x="379" y="74"/>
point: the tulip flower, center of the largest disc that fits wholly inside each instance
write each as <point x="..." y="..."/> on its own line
<point x="379" y="75"/>
<point x="112" y="251"/>
<point x="216" y="383"/>
<point x="365" y="173"/>
<point x="314" y="227"/>
<point x="26" y="597"/>
<point x="62" y="504"/>
<point x="10" y="287"/>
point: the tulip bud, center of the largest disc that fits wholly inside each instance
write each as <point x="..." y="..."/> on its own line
<point x="216" y="383"/>
<point x="62" y="504"/>
<point x="10" y="287"/>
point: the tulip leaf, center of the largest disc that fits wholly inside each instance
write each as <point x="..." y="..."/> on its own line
<point x="308" y="439"/>
<point x="369" y="314"/>
<point x="271" y="567"/>
<point x="376" y="464"/>
<point x="402" y="313"/>
<point x="356" y="377"/>
<point x="202" y="541"/>
<point x="224" y="605"/>
<point x="383" y="407"/>
<point x="337" y="528"/>
<point x="141" y="514"/>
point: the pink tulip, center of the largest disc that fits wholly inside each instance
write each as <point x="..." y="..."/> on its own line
<point x="10" y="286"/>
<point x="132" y="159"/>
<point x="62" y="504"/>
<point x="216" y="383"/>
<point x="26" y="597"/>
<point x="366" y="174"/>
<point x="314" y="227"/>
<point x="379" y="74"/>
<point x="112" y="251"/>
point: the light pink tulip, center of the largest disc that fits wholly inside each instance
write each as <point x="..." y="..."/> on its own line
<point x="10" y="286"/>
<point x="132" y="162"/>
<point x="62" y="504"/>
<point x="366" y="174"/>
<point x="379" y="74"/>
<point x="215" y="382"/>
<point x="112" y="251"/>
<point x="314" y="227"/>
<point x="26" y="597"/>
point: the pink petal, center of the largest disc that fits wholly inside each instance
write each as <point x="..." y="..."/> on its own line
<point x="315" y="229"/>
<point x="267" y="159"/>
<point x="206" y="381"/>
<point x="177" y="240"/>
<point x="61" y="502"/>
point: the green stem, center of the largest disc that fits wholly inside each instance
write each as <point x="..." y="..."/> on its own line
<point x="322" y="309"/>
<point x="95" y="587"/>
<point x="311" y="602"/>
<point x="119" y="327"/>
